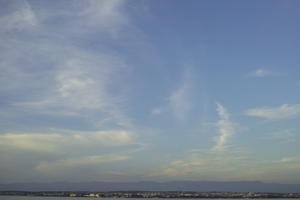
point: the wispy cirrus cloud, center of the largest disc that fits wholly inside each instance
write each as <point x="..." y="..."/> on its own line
<point x="180" y="99"/>
<point x="275" y="113"/>
<point x="107" y="14"/>
<point x="156" y="111"/>
<point x="52" y="73"/>
<point x="199" y="162"/>
<point x="260" y="73"/>
<point x="20" y="17"/>
<point x="76" y="85"/>
<point x="225" y="129"/>
<point x="283" y="136"/>
<point x="69" y="80"/>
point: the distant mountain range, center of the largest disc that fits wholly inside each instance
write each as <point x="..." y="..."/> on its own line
<point x="197" y="186"/>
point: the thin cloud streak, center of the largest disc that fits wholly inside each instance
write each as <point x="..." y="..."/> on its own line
<point x="260" y="73"/>
<point x="275" y="113"/>
<point x="225" y="129"/>
<point x="57" y="142"/>
<point x="282" y="136"/>
<point x="200" y="161"/>
<point x="156" y="111"/>
<point x="20" y="19"/>
<point x="290" y="160"/>
<point x="180" y="99"/>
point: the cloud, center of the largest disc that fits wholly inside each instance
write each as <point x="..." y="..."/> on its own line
<point x="180" y="99"/>
<point x="284" y="136"/>
<point x="65" y="154"/>
<point x="290" y="159"/>
<point x="82" y="86"/>
<point x="108" y="18"/>
<point x="225" y="129"/>
<point x="156" y="111"/>
<point x="66" y="164"/>
<point x="31" y="142"/>
<point x="109" y="14"/>
<point x="76" y="82"/>
<point x="60" y="69"/>
<point x="182" y="168"/>
<point x="57" y="76"/>
<point x="259" y="73"/>
<point x="275" y="113"/>
<point x="61" y="142"/>
<point x="205" y="163"/>
<point x="179" y="168"/>
<point x="19" y="17"/>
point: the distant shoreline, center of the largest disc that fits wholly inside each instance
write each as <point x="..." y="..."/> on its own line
<point x="154" y="194"/>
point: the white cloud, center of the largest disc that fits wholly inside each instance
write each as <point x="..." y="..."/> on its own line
<point x="20" y="18"/>
<point x="108" y="14"/>
<point x="65" y="79"/>
<point x="225" y="129"/>
<point x="168" y="172"/>
<point x="275" y="113"/>
<point x="32" y="142"/>
<point x="108" y="17"/>
<point x="156" y="111"/>
<point x="261" y="73"/>
<point x="78" y="82"/>
<point x="179" y="168"/>
<point x="180" y="99"/>
<point x="289" y="159"/>
<point x="63" y="155"/>
<point x="61" y="142"/>
<point x="105" y="138"/>
<point x="61" y="67"/>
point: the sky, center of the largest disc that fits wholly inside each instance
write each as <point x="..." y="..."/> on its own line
<point x="149" y="90"/>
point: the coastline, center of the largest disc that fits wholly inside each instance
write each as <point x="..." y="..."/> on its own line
<point x="154" y="194"/>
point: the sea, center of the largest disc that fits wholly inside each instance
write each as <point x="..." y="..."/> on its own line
<point x="87" y="198"/>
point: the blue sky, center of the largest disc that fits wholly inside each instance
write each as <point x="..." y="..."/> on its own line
<point x="116" y="90"/>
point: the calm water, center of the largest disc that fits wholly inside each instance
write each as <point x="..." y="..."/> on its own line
<point x="82" y="198"/>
